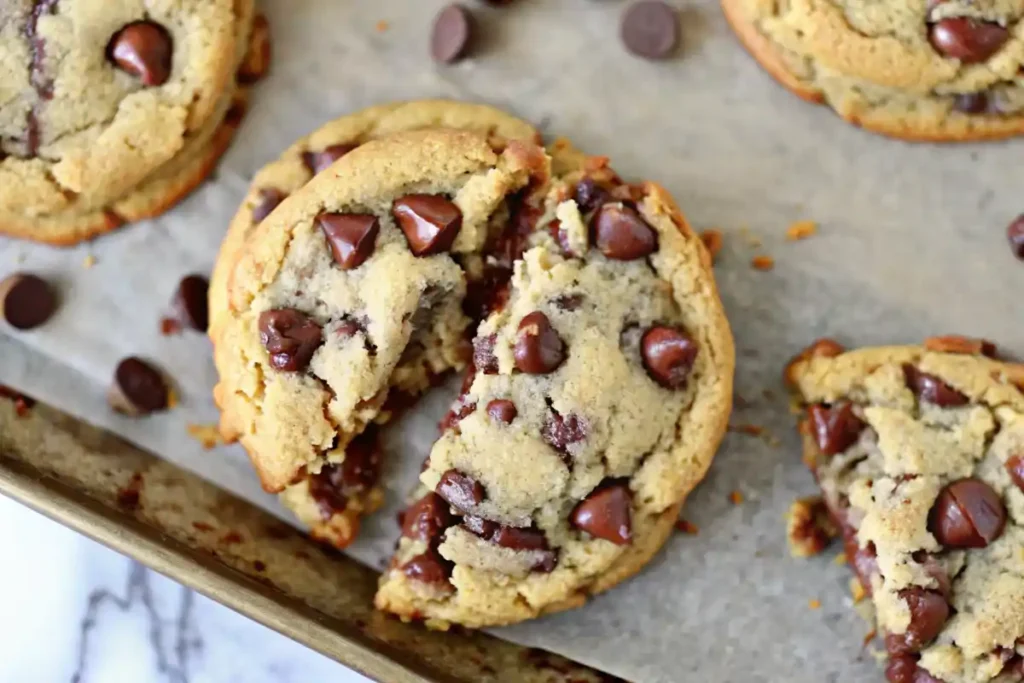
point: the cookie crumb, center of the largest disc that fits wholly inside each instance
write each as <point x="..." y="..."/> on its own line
<point x="868" y="637"/>
<point x="809" y="529"/>
<point x="89" y="261"/>
<point x="208" y="435"/>
<point x="172" y="398"/>
<point x="169" y="326"/>
<point x="801" y="230"/>
<point x="955" y="343"/>
<point x="814" y="604"/>
<point x="750" y="430"/>
<point x="712" y="240"/>
<point x="382" y="26"/>
<point x="762" y="262"/>
<point x="857" y="589"/>
<point x="840" y="559"/>
<point x="750" y="238"/>
<point x="687" y="527"/>
<point x="735" y="497"/>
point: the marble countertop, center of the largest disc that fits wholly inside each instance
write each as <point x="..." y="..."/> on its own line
<point x="75" y="611"/>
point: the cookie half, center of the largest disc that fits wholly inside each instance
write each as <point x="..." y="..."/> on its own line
<point x="941" y="71"/>
<point x="919" y="452"/>
<point x="112" y="112"/>
<point x="602" y="366"/>
<point x="332" y="504"/>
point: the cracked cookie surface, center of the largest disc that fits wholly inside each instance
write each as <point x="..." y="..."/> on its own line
<point x="919" y="454"/>
<point x="938" y="70"/>
<point x="111" y="112"/>
<point x="602" y="362"/>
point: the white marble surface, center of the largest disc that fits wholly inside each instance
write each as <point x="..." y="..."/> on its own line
<point x="74" y="611"/>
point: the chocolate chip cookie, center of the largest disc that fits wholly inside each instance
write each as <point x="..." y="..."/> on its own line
<point x="601" y="361"/>
<point x="942" y="70"/>
<point x="333" y="516"/>
<point x="111" y="112"/>
<point x="919" y="452"/>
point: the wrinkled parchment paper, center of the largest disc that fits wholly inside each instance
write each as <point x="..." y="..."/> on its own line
<point x="911" y="243"/>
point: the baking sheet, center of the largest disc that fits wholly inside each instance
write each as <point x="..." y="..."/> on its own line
<point x="911" y="243"/>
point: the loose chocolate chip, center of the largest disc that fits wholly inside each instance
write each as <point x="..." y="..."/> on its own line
<point x="967" y="39"/>
<point x="452" y="34"/>
<point x="589" y="195"/>
<point x="516" y="538"/>
<point x="190" y="303"/>
<point x="929" y="612"/>
<point x="560" y="432"/>
<point x="26" y="301"/>
<point x="290" y="338"/>
<point x="483" y="528"/>
<point x="668" y="354"/>
<point x="502" y="410"/>
<point x="318" y="161"/>
<point x="461" y="490"/>
<point x="351" y="236"/>
<point x="138" y="388"/>
<point x="932" y="389"/>
<point x="430" y="222"/>
<point x="650" y="29"/>
<point x="483" y="354"/>
<point x="605" y="513"/>
<point x="538" y="349"/>
<point x="621" y="234"/>
<point x="269" y="198"/>
<point x="1015" y="467"/>
<point x="427" y="518"/>
<point x="428" y="567"/>
<point x="836" y="428"/>
<point x="1015" y="233"/>
<point x="142" y="49"/>
<point x="967" y="514"/>
<point x="971" y="103"/>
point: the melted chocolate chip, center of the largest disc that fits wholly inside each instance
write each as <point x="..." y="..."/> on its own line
<point x="932" y="389"/>
<point x="605" y="513"/>
<point x="929" y="612"/>
<point x="502" y="410"/>
<point x="589" y="195"/>
<point x="290" y="337"/>
<point x="967" y="39"/>
<point x="836" y="428"/>
<point x="668" y="355"/>
<point x="356" y="474"/>
<point x="351" y="236"/>
<point x="561" y="432"/>
<point x="427" y="518"/>
<point x="621" y="234"/>
<point x="143" y="49"/>
<point x="429" y="567"/>
<point x="538" y="349"/>
<point x="319" y="161"/>
<point x="968" y="513"/>
<point x="430" y="222"/>
<point x="461" y="490"/>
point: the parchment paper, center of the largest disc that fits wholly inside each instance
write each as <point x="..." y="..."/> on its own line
<point x="911" y="243"/>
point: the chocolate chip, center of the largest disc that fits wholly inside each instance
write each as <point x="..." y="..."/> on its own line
<point x="452" y="34"/>
<point x="1015" y="234"/>
<point x="458" y="412"/>
<point x="650" y="29"/>
<point x="430" y="222"/>
<point x="290" y="337"/>
<point x="461" y="490"/>
<point x="668" y="355"/>
<point x="1015" y="467"/>
<point x="351" y="236"/>
<point x="319" y="161"/>
<point x="621" y="234"/>
<point x="257" y="59"/>
<point x="142" y="49"/>
<point x="26" y="301"/>
<point x="546" y="562"/>
<point x="835" y="429"/>
<point x="561" y="432"/>
<point x="483" y="528"/>
<point x="933" y="568"/>
<point x="516" y="538"/>
<point x="502" y="410"/>
<point x="138" y="388"/>
<point x="929" y="612"/>
<point x="429" y="567"/>
<point x="569" y="302"/>
<point x="967" y="39"/>
<point x="538" y="349"/>
<point x="932" y="389"/>
<point x="427" y="518"/>
<point x="589" y="195"/>
<point x="901" y="669"/>
<point x="356" y="474"/>
<point x="967" y="514"/>
<point x="269" y="198"/>
<point x="325" y="489"/>
<point x="483" y="354"/>
<point x="190" y="302"/>
<point x="864" y="560"/>
<point x="971" y="103"/>
<point x="605" y="513"/>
